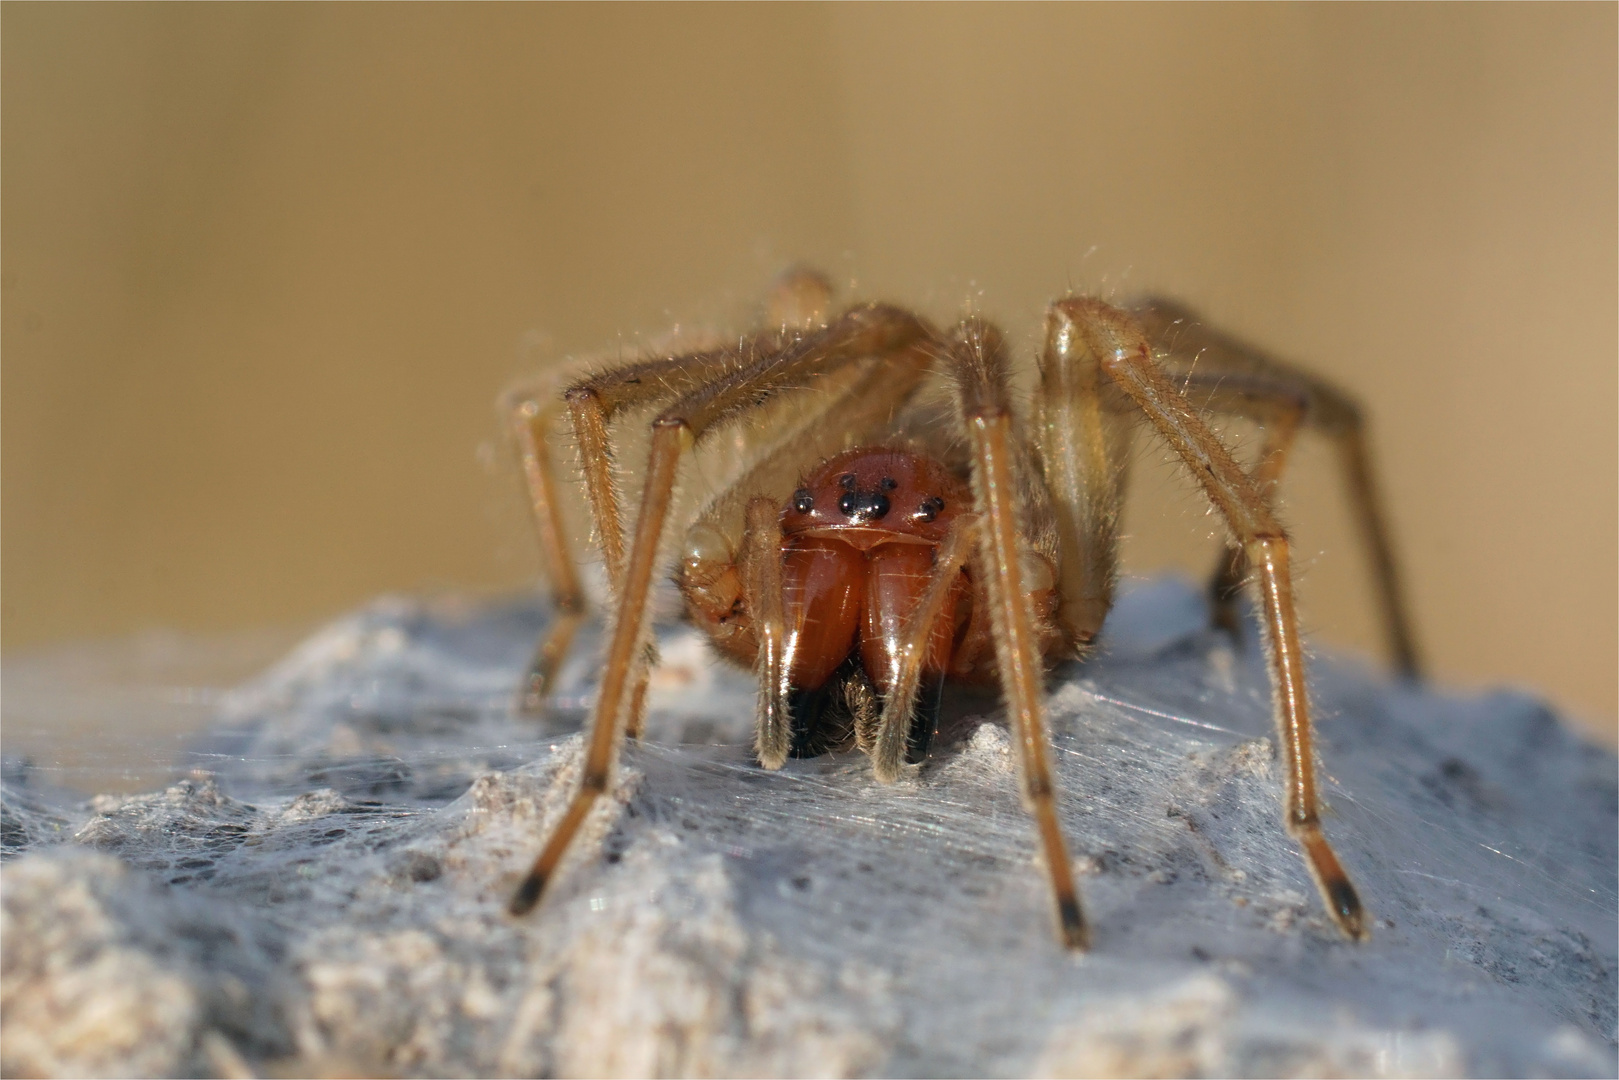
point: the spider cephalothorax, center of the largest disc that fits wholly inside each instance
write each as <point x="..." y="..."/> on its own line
<point x="859" y="561"/>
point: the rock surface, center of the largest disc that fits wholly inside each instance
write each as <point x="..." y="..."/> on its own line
<point x="325" y="891"/>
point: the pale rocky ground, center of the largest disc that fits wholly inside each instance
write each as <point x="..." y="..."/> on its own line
<point x="325" y="892"/>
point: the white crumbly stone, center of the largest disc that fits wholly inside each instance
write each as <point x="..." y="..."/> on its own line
<point x="106" y="973"/>
<point x="324" y="891"/>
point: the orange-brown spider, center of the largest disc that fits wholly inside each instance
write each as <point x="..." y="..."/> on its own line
<point x="862" y="558"/>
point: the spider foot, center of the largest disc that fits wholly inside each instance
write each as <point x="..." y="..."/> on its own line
<point x="1343" y="902"/>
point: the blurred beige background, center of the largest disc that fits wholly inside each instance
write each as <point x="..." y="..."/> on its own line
<point x="265" y="268"/>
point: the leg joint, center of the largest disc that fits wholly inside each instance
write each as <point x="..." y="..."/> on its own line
<point x="580" y="394"/>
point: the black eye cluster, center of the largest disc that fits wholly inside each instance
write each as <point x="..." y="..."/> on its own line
<point x="867" y="505"/>
<point x="864" y="505"/>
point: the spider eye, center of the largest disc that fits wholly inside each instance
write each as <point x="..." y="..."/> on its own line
<point x="888" y="483"/>
<point x="864" y="505"/>
<point x="931" y="507"/>
<point x="803" y="501"/>
<point x="847" y="481"/>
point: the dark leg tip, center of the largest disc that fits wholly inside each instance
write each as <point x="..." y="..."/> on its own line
<point x="1343" y="903"/>
<point x="1075" y="934"/>
<point x="528" y="894"/>
<point x="1346" y="909"/>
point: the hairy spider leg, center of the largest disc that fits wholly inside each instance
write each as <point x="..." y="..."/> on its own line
<point x="1120" y="346"/>
<point x="894" y="727"/>
<point x="1082" y="429"/>
<point x="1280" y="413"/>
<point x="1187" y="346"/>
<point x="533" y="412"/>
<point x="977" y="357"/>
<point x="762" y="595"/>
<point x="592" y="402"/>
<point x="870" y="330"/>
<point x="798" y="301"/>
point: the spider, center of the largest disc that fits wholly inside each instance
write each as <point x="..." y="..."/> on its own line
<point x="879" y="543"/>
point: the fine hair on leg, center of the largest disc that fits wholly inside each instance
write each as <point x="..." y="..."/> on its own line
<point x="1280" y="412"/>
<point x="762" y="595"/>
<point x="1083" y="424"/>
<point x="975" y="357"/>
<point x="1244" y="380"/>
<point x="894" y="725"/>
<point x="532" y="413"/>
<point x="1120" y="346"/>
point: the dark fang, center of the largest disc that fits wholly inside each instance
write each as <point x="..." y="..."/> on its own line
<point x="803" y="501"/>
<point x="925" y="720"/>
<point x="806" y="710"/>
<point x="930" y="509"/>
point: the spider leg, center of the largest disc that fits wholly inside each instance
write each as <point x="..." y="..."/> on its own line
<point x="1082" y="425"/>
<point x="1281" y="413"/>
<point x="1120" y="346"/>
<point x="977" y="357"/>
<point x="762" y="593"/>
<point x="865" y="331"/>
<point x="798" y="301"/>
<point x="895" y="734"/>
<point x="593" y="404"/>
<point x="1249" y="382"/>
<point x="533" y="412"/>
